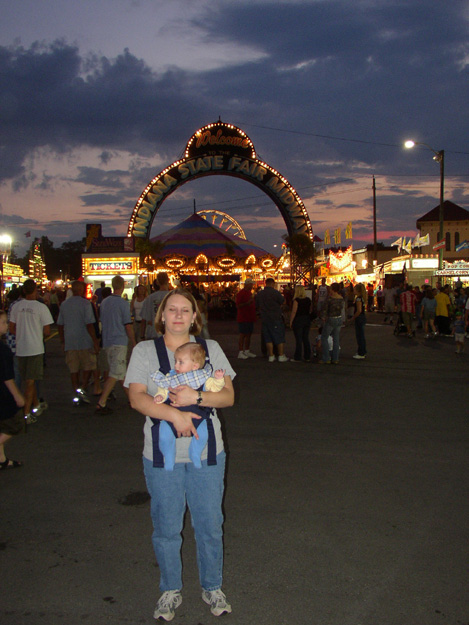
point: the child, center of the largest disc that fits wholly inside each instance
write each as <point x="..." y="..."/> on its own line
<point x="317" y="349"/>
<point x="189" y="369"/>
<point x="459" y="331"/>
<point x="11" y="400"/>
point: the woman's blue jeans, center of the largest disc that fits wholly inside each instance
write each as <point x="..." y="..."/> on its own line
<point x="331" y="328"/>
<point x="360" y="323"/>
<point x="301" y="326"/>
<point x="202" y="490"/>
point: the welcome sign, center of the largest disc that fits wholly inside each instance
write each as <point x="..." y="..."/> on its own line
<point x="220" y="149"/>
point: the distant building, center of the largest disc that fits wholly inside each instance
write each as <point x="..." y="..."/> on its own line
<point x="456" y="230"/>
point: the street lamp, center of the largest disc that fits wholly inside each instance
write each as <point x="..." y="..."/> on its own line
<point x="439" y="157"/>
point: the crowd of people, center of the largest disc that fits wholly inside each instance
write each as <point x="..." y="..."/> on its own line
<point x="441" y="310"/>
<point x="158" y="347"/>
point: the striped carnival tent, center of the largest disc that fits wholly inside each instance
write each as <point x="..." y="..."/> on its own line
<point x="196" y="235"/>
<point x="196" y="243"/>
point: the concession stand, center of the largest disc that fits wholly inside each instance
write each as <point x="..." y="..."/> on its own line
<point x="106" y="257"/>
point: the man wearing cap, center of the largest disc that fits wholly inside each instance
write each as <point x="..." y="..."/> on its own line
<point x="245" y="316"/>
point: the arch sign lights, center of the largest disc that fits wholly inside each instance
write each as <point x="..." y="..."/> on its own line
<point x="220" y="149"/>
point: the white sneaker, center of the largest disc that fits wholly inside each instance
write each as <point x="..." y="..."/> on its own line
<point x="217" y="601"/>
<point x="358" y="357"/>
<point x="167" y="604"/>
<point x="249" y="354"/>
<point x="39" y="409"/>
<point x="242" y="355"/>
<point x="271" y="358"/>
<point x="283" y="358"/>
<point x="81" y="394"/>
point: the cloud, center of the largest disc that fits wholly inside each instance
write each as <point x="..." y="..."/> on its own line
<point x="100" y="199"/>
<point x="17" y="220"/>
<point x="327" y="92"/>
<point x="102" y="178"/>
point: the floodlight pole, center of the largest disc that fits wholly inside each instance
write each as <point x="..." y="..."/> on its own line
<point x="439" y="157"/>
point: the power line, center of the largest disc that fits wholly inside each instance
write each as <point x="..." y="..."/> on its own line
<point x="331" y="137"/>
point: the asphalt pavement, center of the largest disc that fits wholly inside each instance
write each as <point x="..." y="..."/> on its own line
<point x="346" y="496"/>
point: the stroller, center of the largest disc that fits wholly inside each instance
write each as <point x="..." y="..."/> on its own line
<point x="400" y="327"/>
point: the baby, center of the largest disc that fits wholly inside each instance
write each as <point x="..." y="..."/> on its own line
<point x="191" y="369"/>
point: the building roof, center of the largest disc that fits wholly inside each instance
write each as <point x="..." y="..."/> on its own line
<point x="451" y="212"/>
<point x="195" y="235"/>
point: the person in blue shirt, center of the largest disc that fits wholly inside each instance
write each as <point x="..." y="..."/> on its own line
<point x="117" y="333"/>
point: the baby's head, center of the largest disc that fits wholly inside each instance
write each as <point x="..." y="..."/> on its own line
<point x="189" y="357"/>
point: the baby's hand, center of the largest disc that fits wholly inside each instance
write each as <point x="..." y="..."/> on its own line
<point x="158" y="399"/>
<point x="219" y="374"/>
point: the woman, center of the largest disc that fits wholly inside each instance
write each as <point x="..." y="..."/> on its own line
<point x="427" y="313"/>
<point x="359" y="318"/>
<point x="178" y="320"/>
<point x="350" y="299"/>
<point x="300" y="322"/>
<point x="136" y="310"/>
<point x="334" y="311"/>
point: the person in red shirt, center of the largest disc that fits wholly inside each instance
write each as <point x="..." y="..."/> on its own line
<point x="408" y="300"/>
<point x="371" y="296"/>
<point x="245" y="316"/>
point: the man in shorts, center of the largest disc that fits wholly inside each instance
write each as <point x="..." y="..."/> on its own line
<point x="30" y="322"/>
<point x="269" y="302"/>
<point x="78" y="337"/>
<point x="117" y="332"/>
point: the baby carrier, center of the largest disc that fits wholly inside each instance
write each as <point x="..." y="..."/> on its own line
<point x="204" y="411"/>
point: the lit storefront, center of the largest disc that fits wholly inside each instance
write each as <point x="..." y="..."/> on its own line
<point x="340" y="266"/>
<point x="12" y="274"/>
<point x="103" y="268"/>
<point x="107" y="257"/>
<point x="418" y="269"/>
<point x="454" y="272"/>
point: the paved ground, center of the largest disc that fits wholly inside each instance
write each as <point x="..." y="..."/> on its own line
<point x="346" y="500"/>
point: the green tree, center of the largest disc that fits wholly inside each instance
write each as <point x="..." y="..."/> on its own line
<point x="148" y="250"/>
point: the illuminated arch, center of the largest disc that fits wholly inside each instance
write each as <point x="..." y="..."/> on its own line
<point x="220" y="149"/>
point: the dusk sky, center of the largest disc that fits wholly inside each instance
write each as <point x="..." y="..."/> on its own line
<point x="96" y="98"/>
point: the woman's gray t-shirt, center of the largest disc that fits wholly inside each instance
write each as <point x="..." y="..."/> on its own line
<point x="143" y="363"/>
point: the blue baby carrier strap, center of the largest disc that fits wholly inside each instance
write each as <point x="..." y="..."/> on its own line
<point x="203" y="411"/>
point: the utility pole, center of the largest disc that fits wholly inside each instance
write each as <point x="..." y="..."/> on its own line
<point x="375" y="245"/>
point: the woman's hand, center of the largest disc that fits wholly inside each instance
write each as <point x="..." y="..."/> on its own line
<point x="182" y="395"/>
<point x="182" y="421"/>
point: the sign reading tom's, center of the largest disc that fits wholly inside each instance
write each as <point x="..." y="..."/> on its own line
<point x="220" y="149"/>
